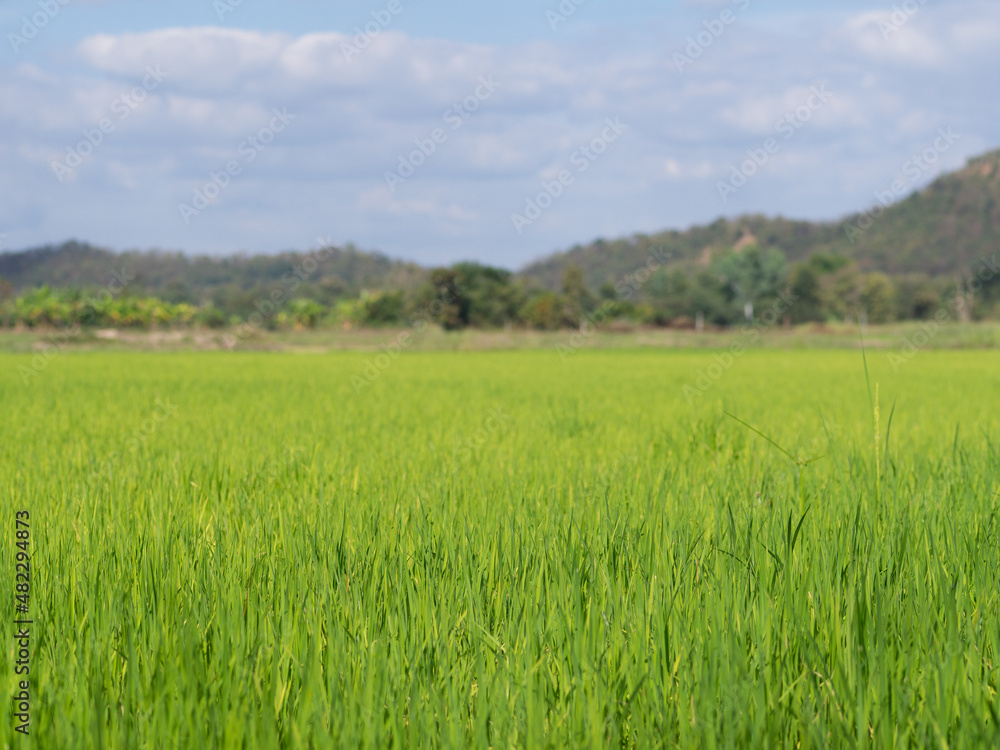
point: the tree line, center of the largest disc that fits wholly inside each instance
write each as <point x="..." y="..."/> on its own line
<point x="729" y="289"/>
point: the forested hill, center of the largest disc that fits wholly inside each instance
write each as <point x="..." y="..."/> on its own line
<point x="942" y="229"/>
<point x="182" y="278"/>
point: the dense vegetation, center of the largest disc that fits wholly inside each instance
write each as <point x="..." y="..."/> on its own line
<point x="944" y="229"/>
<point x="734" y="286"/>
<point x="499" y="550"/>
<point x="934" y="254"/>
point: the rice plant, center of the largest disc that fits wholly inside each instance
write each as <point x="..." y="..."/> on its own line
<point x="506" y="550"/>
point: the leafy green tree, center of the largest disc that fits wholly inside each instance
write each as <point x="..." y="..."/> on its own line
<point x="305" y="313"/>
<point x="443" y="300"/>
<point x="577" y="299"/>
<point x="878" y="297"/>
<point x="471" y="294"/>
<point x="987" y="302"/>
<point x="841" y="292"/>
<point x="544" y="311"/>
<point x="917" y="296"/>
<point x="494" y="296"/>
<point x="211" y="316"/>
<point x="753" y="275"/>
<point x="42" y="307"/>
<point x="827" y="263"/>
<point x="378" y="308"/>
<point x="678" y="297"/>
<point x="708" y="297"/>
<point x="670" y="295"/>
<point x="804" y="286"/>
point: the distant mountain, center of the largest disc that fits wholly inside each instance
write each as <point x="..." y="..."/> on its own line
<point x="942" y="229"/>
<point x="179" y="277"/>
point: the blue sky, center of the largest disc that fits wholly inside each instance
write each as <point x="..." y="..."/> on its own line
<point x="482" y="21"/>
<point x="473" y="130"/>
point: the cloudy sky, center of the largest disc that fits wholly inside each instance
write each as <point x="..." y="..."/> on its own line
<point x="439" y="130"/>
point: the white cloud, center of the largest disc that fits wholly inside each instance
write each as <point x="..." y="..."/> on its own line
<point x="354" y="118"/>
<point x="209" y="57"/>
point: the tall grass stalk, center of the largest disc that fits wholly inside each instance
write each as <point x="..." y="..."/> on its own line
<point x="285" y="564"/>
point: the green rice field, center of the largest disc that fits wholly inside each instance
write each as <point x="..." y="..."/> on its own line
<point x="505" y="549"/>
